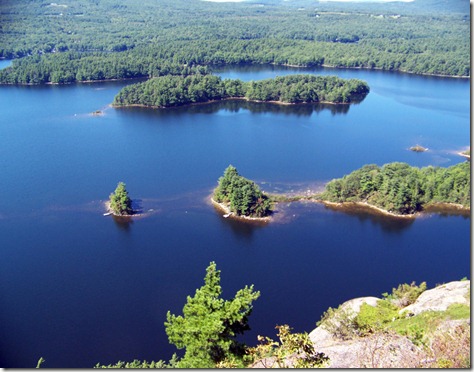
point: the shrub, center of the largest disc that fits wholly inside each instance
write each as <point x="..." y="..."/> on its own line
<point x="295" y="350"/>
<point x="339" y="323"/>
<point x="375" y="318"/>
<point x="405" y="294"/>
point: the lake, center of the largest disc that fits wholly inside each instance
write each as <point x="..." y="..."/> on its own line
<point x="78" y="288"/>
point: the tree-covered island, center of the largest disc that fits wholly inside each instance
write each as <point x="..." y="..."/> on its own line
<point x="119" y="203"/>
<point x="395" y="189"/>
<point x="400" y="189"/>
<point x="241" y="196"/>
<point x="168" y="91"/>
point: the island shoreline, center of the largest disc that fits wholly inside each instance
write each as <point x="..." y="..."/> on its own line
<point x="230" y="99"/>
<point x="231" y="214"/>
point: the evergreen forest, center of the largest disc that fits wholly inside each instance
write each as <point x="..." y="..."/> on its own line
<point x="402" y="189"/>
<point x="98" y="40"/>
<point x="169" y="91"/>
<point x="242" y="195"/>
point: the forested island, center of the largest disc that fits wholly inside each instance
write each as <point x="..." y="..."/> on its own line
<point x="93" y="41"/>
<point x="397" y="189"/>
<point x="240" y="196"/>
<point x="119" y="203"/>
<point x="167" y="91"/>
<point x="401" y="189"/>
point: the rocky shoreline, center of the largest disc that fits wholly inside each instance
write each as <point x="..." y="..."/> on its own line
<point x="228" y="213"/>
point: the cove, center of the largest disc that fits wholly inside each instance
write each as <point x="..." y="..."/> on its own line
<point x="79" y="288"/>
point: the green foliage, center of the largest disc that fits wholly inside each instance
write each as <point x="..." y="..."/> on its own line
<point x="209" y="324"/>
<point x="295" y="349"/>
<point x="166" y="91"/>
<point x="120" y="202"/>
<point x="243" y="196"/>
<point x="405" y="294"/>
<point x="96" y="40"/>
<point x="371" y="319"/>
<point x="399" y="188"/>
<point x="138" y="364"/>
<point x="345" y="324"/>
<point x="40" y="362"/>
<point x="339" y="322"/>
<point x="458" y="311"/>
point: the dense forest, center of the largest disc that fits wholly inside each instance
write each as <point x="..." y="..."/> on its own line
<point x="402" y="189"/>
<point x="243" y="196"/>
<point x="78" y="41"/>
<point x="167" y="91"/>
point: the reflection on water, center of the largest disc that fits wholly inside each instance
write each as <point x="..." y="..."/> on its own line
<point x="307" y="259"/>
<point x="387" y="223"/>
<point x="235" y="105"/>
<point x="241" y="229"/>
<point x="123" y="223"/>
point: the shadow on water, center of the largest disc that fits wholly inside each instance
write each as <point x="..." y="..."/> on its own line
<point x="235" y="105"/>
<point x="123" y="223"/>
<point x="241" y="229"/>
<point x="387" y="223"/>
<point x="137" y="206"/>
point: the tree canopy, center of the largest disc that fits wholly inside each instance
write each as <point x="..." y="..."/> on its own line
<point x="400" y="188"/>
<point x="167" y="91"/>
<point x="242" y="195"/>
<point x="81" y="41"/>
<point x="120" y="202"/>
<point x="209" y="324"/>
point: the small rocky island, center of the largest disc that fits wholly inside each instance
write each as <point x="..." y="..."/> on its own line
<point x="418" y="148"/>
<point x="119" y="203"/>
<point x="169" y="91"/>
<point x="240" y="197"/>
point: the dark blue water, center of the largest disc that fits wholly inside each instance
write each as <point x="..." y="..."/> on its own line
<point x="78" y="288"/>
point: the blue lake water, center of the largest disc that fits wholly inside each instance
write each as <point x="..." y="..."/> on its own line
<point x="78" y="288"/>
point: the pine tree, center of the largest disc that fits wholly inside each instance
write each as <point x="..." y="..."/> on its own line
<point x="120" y="202"/>
<point x="209" y="324"/>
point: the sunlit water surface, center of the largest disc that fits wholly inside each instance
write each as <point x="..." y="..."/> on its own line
<point x="78" y="288"/>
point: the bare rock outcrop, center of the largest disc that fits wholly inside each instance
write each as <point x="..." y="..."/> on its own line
<point x="386" y="349"/>
<point x="441" y="297"/>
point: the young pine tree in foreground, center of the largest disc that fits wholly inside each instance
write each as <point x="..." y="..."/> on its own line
<point x="209" y="324"/>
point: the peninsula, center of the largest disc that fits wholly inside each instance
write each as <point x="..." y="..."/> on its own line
<point x="169" y="91"/>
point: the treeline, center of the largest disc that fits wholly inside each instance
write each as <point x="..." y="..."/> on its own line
<point x="111" y="40"/>
<point x="243" y="196"/>
<point x="167" y="91"/>
<point x="402" y="189"/>
<point x="71" y="67"/>
<point x="172" y="57"/>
